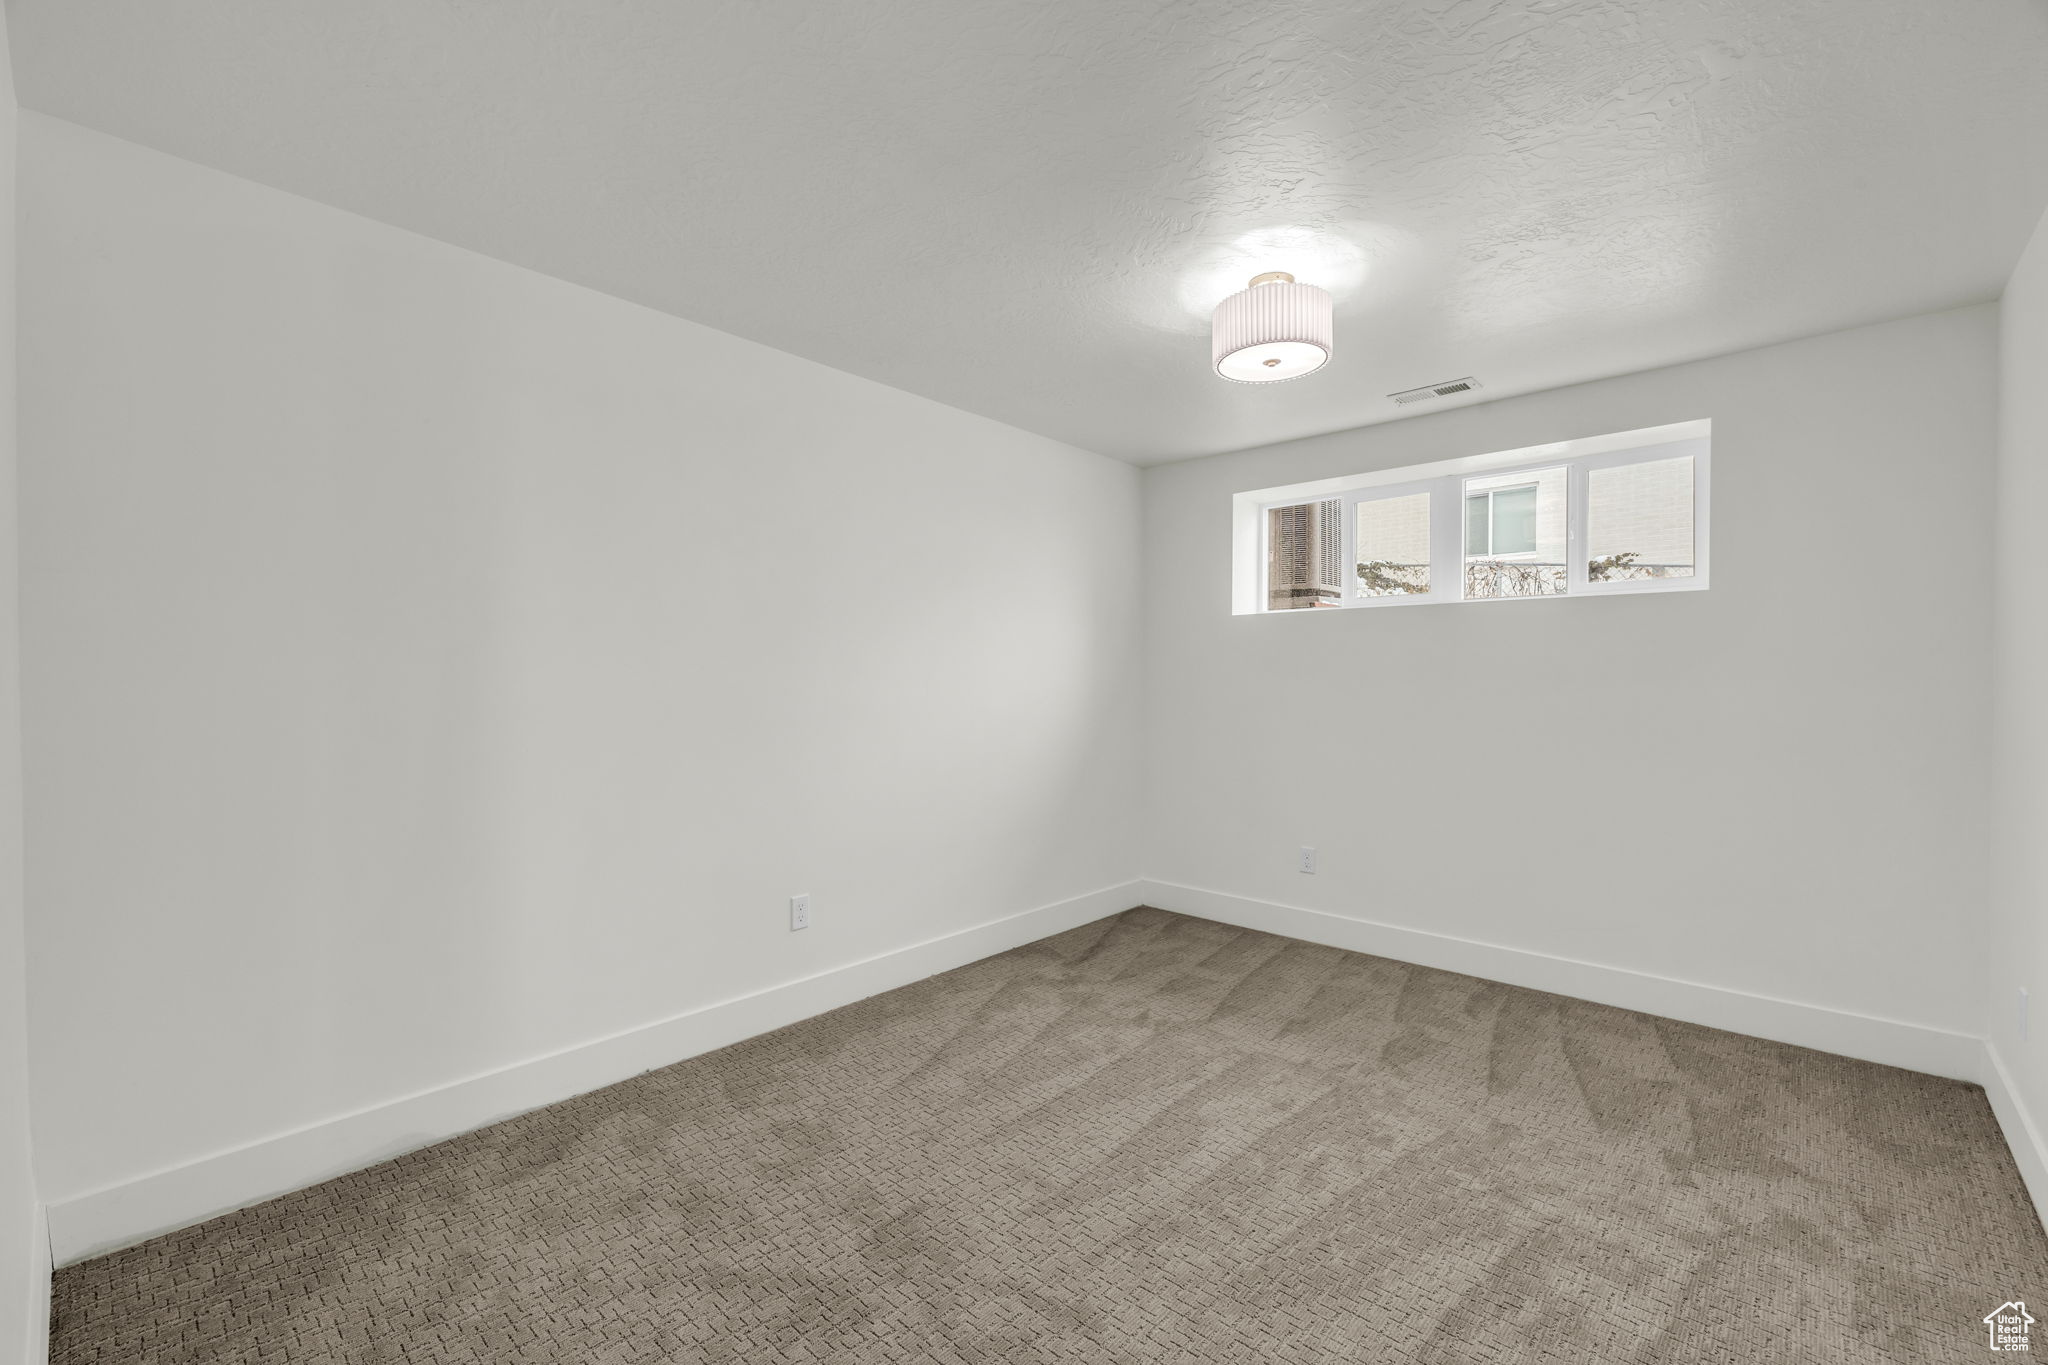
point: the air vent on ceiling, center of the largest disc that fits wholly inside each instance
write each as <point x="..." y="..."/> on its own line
<point x="1443" y="390"/>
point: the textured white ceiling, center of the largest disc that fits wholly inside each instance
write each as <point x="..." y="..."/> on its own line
<point x="1026" y="207"/>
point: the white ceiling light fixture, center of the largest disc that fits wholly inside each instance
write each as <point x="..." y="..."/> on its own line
<point x="1274" y="330"/>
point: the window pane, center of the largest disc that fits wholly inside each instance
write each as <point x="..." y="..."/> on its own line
<point x="1523" y="555"/>
<point x="1514" y="521"/>
<point x="1304" y="555"/>
<point x="1475" y="524"/>
<point x="1393" y="546"/>
<point x="1639" y="521"/>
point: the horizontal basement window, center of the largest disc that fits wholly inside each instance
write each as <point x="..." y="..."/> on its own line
<point x="1612" y="514"/>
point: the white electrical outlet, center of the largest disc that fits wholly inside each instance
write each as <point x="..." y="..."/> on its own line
<point x="799" y="913"/>
<point x="2023" y="1013"/>
<point x="1308" y="860"/>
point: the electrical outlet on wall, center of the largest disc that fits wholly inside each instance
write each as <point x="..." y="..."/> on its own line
<point x="799" y="912"/>
<point x="1308" y="860"/>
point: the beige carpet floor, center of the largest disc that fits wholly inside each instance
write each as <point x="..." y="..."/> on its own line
<point x="1150" y="1139"/>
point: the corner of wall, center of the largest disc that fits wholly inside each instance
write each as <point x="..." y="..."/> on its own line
<point x="2017" y="1079"/>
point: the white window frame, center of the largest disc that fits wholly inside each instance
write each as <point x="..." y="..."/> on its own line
<point x="1445" y="481"/>
<point x="1350" y="535"/>
<point x="1380" y="493"/>
<point x="1581" y="581"/>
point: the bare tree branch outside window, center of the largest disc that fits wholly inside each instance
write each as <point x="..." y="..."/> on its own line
<point x="1509" y="577"/>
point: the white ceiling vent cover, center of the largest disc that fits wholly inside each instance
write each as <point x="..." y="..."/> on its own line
<point x="1442" y="390"/>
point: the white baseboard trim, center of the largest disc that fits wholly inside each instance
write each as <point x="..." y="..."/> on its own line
<point x="131" y="1211"/>
<point x="106" y="1219"/>
<point x="2029" y="1153"/>
<point x="35" y="1348"/>
<point x="1916" y="1047"/>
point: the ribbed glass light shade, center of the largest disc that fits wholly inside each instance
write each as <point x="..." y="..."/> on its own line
<point x="1274" y="330"/>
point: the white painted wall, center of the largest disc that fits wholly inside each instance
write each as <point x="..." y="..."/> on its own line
<point x="413" y="698"/>
<point x="435" y="665"/>
<point x="2016" y="949"/>
<point x="24" y="1245"/>
<point x="1813" y="728"/>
